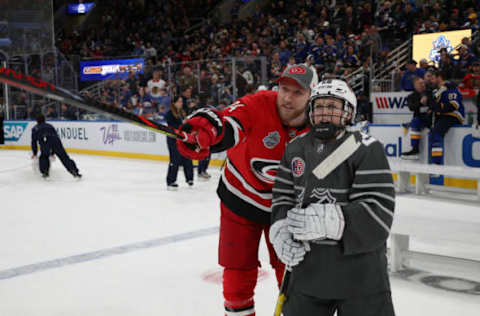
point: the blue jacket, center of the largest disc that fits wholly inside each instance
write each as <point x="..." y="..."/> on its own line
<point x="42" y="133"/>
<point x="407" y="79"/>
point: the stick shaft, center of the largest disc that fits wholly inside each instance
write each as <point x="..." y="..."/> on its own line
<point x="282" y="295"/>
<point x="48" y="90"/>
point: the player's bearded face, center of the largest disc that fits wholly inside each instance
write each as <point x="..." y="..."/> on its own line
<point x="291" y="102"/>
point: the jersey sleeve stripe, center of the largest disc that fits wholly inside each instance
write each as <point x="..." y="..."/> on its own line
<point x="282" y="203"/>
<point x="286" y="191"/>
<point x="375" y="217"/>
<point x="279" y="179"/>
<point x="283" y="168"/>
<point x="235" y="127"/>
<point x="378" y="171"/>
<point x="382" y="207"/>
<point x="282" y="198"/>
<point x="372" y="193"/>
<point x="373" y="185"/>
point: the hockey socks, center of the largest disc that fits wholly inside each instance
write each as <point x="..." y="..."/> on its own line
<point x="238" y="289"/>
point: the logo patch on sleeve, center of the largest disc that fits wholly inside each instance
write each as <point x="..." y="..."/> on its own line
<point x="298" y="167"/>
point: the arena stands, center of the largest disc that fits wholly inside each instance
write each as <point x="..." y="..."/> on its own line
<point x="347" y="41"/>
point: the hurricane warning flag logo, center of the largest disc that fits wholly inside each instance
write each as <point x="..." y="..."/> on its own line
<point x="298" y="166"/>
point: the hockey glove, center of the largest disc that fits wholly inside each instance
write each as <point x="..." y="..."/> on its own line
<point x="316" y="221"/>
<point x="206" y="126"/>
<point x="289" y="251"/>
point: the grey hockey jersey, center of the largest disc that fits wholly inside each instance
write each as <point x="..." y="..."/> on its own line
<point x="363" y="186"/>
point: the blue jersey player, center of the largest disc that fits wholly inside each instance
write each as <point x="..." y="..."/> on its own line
<point x="448" y="111"/>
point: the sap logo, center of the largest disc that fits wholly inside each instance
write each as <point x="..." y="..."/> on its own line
<point x="468" y="151"/>
<point x="394" y="150"/>
<point x="13" y="131"/>
<point x="391" y="103"/>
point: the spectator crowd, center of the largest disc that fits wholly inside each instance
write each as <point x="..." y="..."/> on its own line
<point x="334" y="37"/>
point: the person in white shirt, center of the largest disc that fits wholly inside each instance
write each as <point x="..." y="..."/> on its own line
<point x="155" y="84"/>
<point x="310" y="63"/>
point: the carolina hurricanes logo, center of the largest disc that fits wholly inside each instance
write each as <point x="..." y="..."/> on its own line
<point x="296" y="70"/>
<point x="265" y="169"/>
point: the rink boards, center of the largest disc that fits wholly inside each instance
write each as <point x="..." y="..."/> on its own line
<point x="111" y="138"/>
<point x="107" y="138"/>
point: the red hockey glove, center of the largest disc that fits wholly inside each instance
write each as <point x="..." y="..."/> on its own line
<point x="206" y="126"/>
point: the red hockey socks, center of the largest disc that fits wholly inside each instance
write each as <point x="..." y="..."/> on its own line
<point x="238" y="289"/>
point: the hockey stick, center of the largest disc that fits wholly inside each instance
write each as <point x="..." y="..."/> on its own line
<point x="282" y="295"/>
<point x="339" y="155"/>
<point x="48" y="90"/>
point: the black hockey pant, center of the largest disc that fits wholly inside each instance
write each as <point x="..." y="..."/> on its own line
<point x="53" y="145"/>
<point x="379" y="304"/>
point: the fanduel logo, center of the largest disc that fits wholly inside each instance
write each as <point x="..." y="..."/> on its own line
<point x="391" y="103"/>
<point x="13" y="131"/>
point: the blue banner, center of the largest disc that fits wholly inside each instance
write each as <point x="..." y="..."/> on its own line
<point x="80" y="8"/>
<point x="13" y="131"/>
<point x="110" y="69"/>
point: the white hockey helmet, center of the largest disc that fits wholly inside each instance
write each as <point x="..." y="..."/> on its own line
<point x="337" y="89"/>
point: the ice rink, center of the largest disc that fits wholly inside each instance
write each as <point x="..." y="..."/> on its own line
<point x="117" y="243"/>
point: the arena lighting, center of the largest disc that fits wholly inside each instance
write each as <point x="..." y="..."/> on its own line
<point x="80" y="8"/>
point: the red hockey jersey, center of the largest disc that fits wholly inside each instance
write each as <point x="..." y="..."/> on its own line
<point x="256" y="140"/>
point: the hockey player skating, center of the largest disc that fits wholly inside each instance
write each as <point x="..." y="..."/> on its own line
<point x="46" y="135"/>
<point x="254" y="131"/>
<point x="333" y="204"/>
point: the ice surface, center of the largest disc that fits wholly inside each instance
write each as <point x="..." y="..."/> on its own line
<point x="118" y="243"/>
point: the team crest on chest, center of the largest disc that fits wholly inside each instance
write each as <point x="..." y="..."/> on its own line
<point x="271" y="140"/>
<point x="324" y="196"/>
<point x="298" y="167"/>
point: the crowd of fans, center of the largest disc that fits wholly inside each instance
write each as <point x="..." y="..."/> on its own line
<point x="335" y="37"/>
